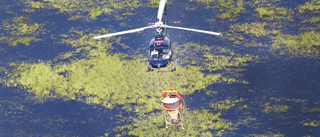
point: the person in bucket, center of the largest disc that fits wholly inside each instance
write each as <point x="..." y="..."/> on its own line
<point x="172" y="105"/>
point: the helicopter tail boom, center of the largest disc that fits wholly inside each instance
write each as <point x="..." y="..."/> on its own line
<point x="162" y="5"/>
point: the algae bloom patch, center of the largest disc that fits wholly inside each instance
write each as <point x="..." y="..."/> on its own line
<point x="107" y="81"/>
<point x="197" y="123"/>
<point x="94" y="8"/>
<point x="20" y="30"/>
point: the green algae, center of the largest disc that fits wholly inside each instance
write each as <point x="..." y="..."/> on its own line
<point x="95" y="12"/>
<point x="271" y="13"/>
<point x="304" y="43"/>
<point x="265" y="13"/>
<point x="275" y="108"/>
<point x="75" y="18"/>
<point x="28" y="11"/>
<point x="23" y="40"/>
<point x="226" y="104"/>
<point x="255" y="44"/>
<point x="154" y="3"/>
<point x="92" y="7"/>
<point x="268" y="135"/>
<point x="256" y="29"/>
<point x="36" y="5"/>
<point x="228" y="9"/>
<point x="312" y="123"/>
<point x="247" y="34"/>
<point x="213" y="58"/>
<point x="313" y="20"/>
<point x="104" y="79"/>
<point x="21" y="31"/>
<point x="107" y="81"/>
<point x="269" y="10"/>
<point x="312" y="6"/>
<point x="64" y="56"/>
<point x="86" y="43"/>
<point x="196" y="123"/>
<point x="304" y="102"/>
<point x="219" y="62"/>
<point x="208" y="3"/>
<point x="313" y="110"/>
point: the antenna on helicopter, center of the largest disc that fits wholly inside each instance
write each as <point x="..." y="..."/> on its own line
<point x="157" y="25"/>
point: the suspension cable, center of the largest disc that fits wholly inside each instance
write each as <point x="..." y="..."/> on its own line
<point x="164" y="76"/>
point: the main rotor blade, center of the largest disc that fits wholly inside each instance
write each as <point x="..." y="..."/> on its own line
<point x="123" y="32"/>
<point x="195" y="30"/>
<point x="162" y="4"/>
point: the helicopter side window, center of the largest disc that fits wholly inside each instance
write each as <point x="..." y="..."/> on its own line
<point x="165" y="53"/>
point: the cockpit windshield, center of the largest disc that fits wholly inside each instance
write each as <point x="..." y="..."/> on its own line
<point x="159" y="53"/>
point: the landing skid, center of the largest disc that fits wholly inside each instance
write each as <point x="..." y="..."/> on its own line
<point x="148" y="68"/>
<point x="174" y="69"/>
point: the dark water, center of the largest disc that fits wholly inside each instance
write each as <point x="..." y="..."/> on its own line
<point x="276" y="79"/>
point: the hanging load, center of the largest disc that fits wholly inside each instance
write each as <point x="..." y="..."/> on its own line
<point x="172" y="104"/>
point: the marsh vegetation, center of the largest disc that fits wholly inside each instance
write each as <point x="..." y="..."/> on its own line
<point x="227" y="9"/>
<point x="197" y="123"/>
<point x="20" y="30"/>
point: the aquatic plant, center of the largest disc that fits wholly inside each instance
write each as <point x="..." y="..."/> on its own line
<point x="312" y="123"/>
<point x="268" y="135"/>
<point x="36" y="5"/>
<point x="93" y="7"/>
<point x="208" y="3"/>
<point x="213" y="58"/>
<point x="313" y="6"/>
<point x="21" y="31"/>
<point x="22" y="40"/>
<point x="219" y="62"/>
<point x="313" y="110"/>
<point x="272" y="12"/>
<point x="95" y="12"/>
<point x="154" y="3"/>
<point x="106" y="80"/>
<point x="306" y="42"/>
<point x="196" y="123"/>
<point x="313" y="20"/>
<point x="228" y="9"/>
<point x="86" y="43"/>
<point x="28" y="11"/>
<point x="226" y="104"/>
<point x="265" y="13"/>
<point x="256" y="29"/>
<point x="255" y="44"/>
<point x="74" y="18"/>
<point x="275" y="108"/>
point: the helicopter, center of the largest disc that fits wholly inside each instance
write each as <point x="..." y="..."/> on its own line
<point x="160" y="54"/>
